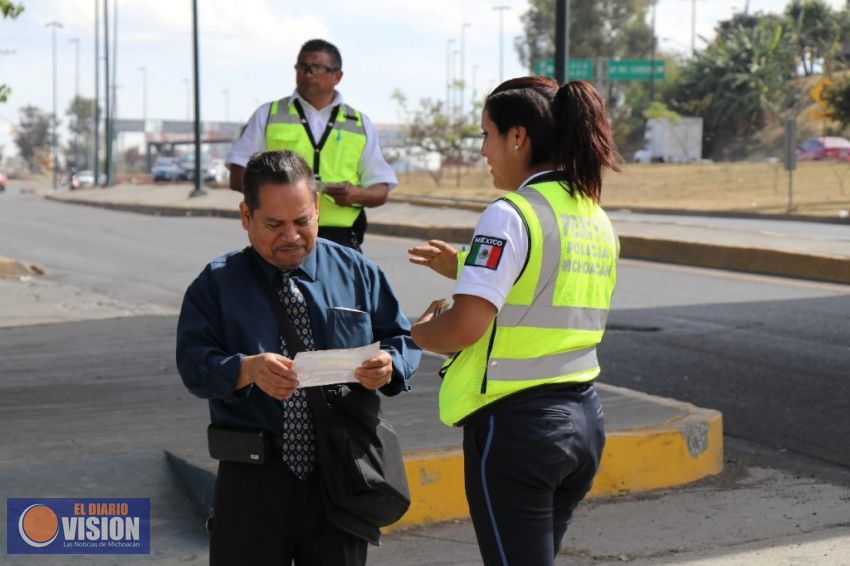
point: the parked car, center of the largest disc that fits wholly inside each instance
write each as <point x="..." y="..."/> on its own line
<point x="3" y="181"/>
<point x="221" y="174"/>
<point x="824" y="147"/>
<point x="186" y="162"/>
<point x="85" y="178"/>
<point x="165" y="169"/>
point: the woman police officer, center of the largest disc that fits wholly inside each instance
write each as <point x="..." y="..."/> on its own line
<point x="529" y="306"/>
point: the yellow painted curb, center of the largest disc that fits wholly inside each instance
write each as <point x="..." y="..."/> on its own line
<point x="652" y="458"/>
<point x="678" y="451"/>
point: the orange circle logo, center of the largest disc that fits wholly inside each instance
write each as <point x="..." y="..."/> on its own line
<point x="38" y="525"/>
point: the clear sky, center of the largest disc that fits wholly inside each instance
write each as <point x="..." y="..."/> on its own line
<point x="248" y="48"/>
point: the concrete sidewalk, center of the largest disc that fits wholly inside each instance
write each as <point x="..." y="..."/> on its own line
<point x="680" y="239"/>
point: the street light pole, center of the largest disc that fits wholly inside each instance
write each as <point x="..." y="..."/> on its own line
<point x="198" y="191"/>
<point x="501" y="10"/>
<point x="463" y="27"/>
<point x="562" y="41"/>
<point x="55" y="160"/>
<point x="108" y="105"/>
<point x="76" y="42"/>
<point x="186" y="82"/>
<point x="144" y="71"/>
<point x="474" y="90"/>
<point x="449" y="44"/>
<point x="96" y="152"/>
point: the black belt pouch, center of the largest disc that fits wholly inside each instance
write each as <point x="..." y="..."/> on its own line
<point x="234" y="444"/>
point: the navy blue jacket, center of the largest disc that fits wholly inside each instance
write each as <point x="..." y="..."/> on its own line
<point x="226" y="316"/>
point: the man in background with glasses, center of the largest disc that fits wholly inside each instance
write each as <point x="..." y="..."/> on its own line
<point x="339" y="143"/>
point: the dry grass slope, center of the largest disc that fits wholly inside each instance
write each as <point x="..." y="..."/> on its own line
<point x="820" y="188"/>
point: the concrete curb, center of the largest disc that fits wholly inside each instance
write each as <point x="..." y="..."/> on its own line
<point x="832" y="269"/>
<point x="764" y="261"/>
<point x="153" y="210"/>
<point x="677" y="451"/>
<point x="481" y="204"/>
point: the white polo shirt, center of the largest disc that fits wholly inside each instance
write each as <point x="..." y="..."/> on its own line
<point x="372" y="169"/>
<point x="500" y="223"/>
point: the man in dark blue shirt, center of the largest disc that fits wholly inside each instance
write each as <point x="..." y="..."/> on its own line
<point x="229" y="351"/>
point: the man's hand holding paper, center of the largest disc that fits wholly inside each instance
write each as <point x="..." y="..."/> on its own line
<point x="369" y="365"/>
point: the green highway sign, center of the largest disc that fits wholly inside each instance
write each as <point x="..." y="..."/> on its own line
<point x="577" y="69"/>
<point x="634" y="69"/>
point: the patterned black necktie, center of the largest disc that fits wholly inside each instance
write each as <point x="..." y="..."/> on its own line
<point x="299" y="451"/>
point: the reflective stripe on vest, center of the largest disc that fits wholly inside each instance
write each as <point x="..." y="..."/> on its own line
<point x="547" y="315"/>
<point x="338" y="158"/>
<point x="555" y="314"/>
<point x="555" y="365"/>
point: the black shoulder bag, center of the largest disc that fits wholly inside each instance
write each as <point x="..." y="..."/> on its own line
<point x="363" y="477"/>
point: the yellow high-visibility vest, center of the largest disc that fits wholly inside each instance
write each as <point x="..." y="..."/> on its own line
<point x="555" y="313"/>
<point x="334" y="158"/>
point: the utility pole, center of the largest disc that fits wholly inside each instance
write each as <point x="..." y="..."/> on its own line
<point x="55" y="160"/>
<point x="96" y="156"/>
<point x="76" y="42"/>
<point x="694" y="23"/>
<point x="501" y="10"/>
<point x="198" y="191"/>
<point x="562" y="41"/>
<point x="693" y="29"/>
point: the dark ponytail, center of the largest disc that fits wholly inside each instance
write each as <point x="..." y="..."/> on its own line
<point x="585" y="143"/>
<point x="567" y="127"/>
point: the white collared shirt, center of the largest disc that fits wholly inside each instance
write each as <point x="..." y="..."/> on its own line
<point x="372" y="169"/>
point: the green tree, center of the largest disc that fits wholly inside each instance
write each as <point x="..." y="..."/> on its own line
<point x="742" y="80"/>
<point x="80" y="113"/>
<point x="429" y="128"/>
<point x="32" y="135"/>
<point x="602" y="28"/>
<point x="837" y="97"/>
<point x="598" y="29"/>
<point x="12" y="11"/>
<point x="815" y="32"/>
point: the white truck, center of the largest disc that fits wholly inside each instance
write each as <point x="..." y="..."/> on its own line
<point x="671" y="140"/>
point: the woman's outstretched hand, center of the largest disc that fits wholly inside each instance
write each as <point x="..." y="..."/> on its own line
<point x="437" y="255"/>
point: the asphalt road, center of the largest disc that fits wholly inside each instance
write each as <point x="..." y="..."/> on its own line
<point x="770" y="353"/>
<point x="89" y="406"/>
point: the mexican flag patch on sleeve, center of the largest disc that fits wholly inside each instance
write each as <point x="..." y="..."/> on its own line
<point x="486" y="252"/>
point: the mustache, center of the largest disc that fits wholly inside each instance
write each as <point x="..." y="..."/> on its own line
<point x="285" y="247"/>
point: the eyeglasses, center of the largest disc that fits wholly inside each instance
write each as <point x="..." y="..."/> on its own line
<point x="313" y="68"/>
